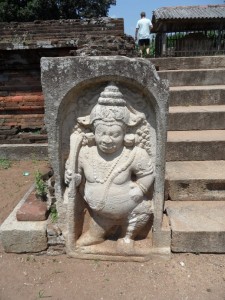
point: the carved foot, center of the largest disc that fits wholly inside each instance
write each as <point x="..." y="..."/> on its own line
<point x="125" y="245"/>
<point x="87" y="239"/>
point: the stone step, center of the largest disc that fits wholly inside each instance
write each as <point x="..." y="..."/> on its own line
<point x="197" y="227"/>
<point x="197" y="95"/>
<point x="198" y="62"/>
<point x="24" y="151"/>
<point x="20" y="237"/>
<point x="194" y="77"/>
<point x="195" y="180"/>
<point x="195" y="145"/>
<point x="208" y="117"/>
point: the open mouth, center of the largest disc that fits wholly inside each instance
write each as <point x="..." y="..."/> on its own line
<point x="107" y="147"/>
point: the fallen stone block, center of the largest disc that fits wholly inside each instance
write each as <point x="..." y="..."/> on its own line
<point x="32" y="210"/>
<point x="21" y="237"/>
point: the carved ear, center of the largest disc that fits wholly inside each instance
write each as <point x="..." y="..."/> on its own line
<point x="89" y="139"/>
<point x="129" y="140"/>
<point x="84" y="120"/>
<point x="134" y="119"/>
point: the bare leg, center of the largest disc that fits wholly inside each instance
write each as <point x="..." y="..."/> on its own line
<point x="96" y="232"/>
<point x="141" y="50"/>
<point x="138" y="219"/>
<point x="126" y="243"/>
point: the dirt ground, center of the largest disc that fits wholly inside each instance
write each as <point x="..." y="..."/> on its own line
<point x="30" y="277"/>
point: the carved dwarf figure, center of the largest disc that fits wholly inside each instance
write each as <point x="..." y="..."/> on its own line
<point x="116" y="169"/>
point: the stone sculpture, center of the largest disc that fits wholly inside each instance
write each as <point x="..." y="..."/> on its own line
<point x="111" y="167"/>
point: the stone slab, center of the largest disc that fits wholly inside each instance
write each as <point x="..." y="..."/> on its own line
<point x="162" y="238"/>
<point x="157" y="245"/>
<point x="194" y="77"/>
<point x="210" y="117"/>
<point x="197" y="95"/>
<point x="198" y="62"/>
<point x="154" y="253"/>
<point x="197" y="227"/>
<point x="32" y="210"/>
<point x="24" y="151"/>
<point x="195" y="145"/>
<point x="195" y="180"/>
<point x="71" y="85"/>
<point x="21" y="237"/>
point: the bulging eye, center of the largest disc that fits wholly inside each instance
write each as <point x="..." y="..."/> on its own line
<point x="99" y="133"/>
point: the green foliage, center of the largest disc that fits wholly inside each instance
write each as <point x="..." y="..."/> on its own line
<point x="53" y="214"/>
<point x="4" y="163"/>
<point x="30" y="10"/>
<point x="171" y="39"/>
<point x="40" y="185"/>
<point x="149" y="53"/>
<point x="41" y="295"/>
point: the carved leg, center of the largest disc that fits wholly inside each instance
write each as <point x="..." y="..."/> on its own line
<point x="136" y="221"/>
<point x="125" y="245"/>
<point x="96" y="232"/>
<point x="138" y="218"/>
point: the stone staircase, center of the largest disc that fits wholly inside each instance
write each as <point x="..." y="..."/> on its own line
<point x="195" y="171"/>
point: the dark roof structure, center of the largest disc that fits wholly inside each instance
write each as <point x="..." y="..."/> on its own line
<point x="183" y="18"/>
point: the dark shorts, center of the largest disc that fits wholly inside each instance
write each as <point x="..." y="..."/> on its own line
<point x="144" y="42"/>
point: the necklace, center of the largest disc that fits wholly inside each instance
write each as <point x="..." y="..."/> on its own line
<point x="112" y="174"/>
<point x="113" y="166"/>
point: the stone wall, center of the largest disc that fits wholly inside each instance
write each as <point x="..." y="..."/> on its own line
<point x="56" y="33"/>
<point x="21" y="98"/>
<point x="21" y="47"/>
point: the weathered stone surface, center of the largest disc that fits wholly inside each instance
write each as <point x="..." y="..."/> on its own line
<point x="57" y="33"/>
<point x="195" y="145"/>
<point x="107" y="165"/>
<point x="195" y="180"/>
<point x="162" y="239"/>
<point x="194" y="77"/>
<point x="197" y="226"/>
<point x="32" y="210"/>
<point x="107" y="45"/>
<point x="109" y="94"/>
<point x="21" y="98"/>
<point x="210" y="117"/>
<point x="24" y="151"/>
<point x="197" y="95"/>
<point x="195" y="153"/>
<point x="20" y="237"/>
<point x="184" y="63"/>
<point x="55" y="236"/>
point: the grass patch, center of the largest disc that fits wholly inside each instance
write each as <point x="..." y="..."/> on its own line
<point x="5" y="163"/>
<point x="41" y="295"/>
<point x="40" y="185"/>
<point x="54" y="214"/>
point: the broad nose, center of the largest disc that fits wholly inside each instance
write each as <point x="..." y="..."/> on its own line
<point x="107" y="139"/>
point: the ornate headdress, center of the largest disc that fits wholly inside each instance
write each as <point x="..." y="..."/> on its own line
<point x="111" y="108"/>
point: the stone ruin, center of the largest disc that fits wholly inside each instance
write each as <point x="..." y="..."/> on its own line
<point x="106" y="120"/>
<point x="22" y="44"/>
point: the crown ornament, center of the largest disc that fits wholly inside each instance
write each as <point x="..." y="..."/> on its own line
<point x="111" y="108"/>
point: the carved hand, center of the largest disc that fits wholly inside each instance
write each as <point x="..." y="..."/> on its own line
<point x="69" y="175"/>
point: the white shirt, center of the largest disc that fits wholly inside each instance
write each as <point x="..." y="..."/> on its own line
<point x="143" y="26"/>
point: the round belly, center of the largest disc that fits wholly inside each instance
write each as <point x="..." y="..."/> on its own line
<point x="113" y="202"/>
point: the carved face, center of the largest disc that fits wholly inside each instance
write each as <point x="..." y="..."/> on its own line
<point x="109" y="138"/>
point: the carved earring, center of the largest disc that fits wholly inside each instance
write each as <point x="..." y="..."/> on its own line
<point x="129" y="140"/>
<point x="89" y="139"/>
